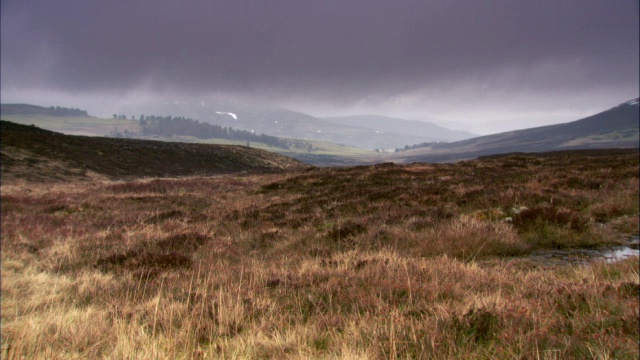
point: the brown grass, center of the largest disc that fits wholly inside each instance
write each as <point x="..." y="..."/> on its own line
<point x="389" y="261"/>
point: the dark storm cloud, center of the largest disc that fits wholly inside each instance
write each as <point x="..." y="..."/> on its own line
<point x="335" y="51"/>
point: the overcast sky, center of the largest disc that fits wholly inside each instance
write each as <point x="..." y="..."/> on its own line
<point x="495" y="63"/>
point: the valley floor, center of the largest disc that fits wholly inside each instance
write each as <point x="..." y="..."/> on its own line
<point x="374" y="262"/>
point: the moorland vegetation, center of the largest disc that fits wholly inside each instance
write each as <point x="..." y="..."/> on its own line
<point x="31" y="153"/>
<point x="379" y="262"/>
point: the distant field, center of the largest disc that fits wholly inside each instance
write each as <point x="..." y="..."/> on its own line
<point x="324" y="153"/>
<point x="319" y="147"/>
<point x="73" y="125"/>
<point x="330" y="148"/>
<point x="631" y="135"/>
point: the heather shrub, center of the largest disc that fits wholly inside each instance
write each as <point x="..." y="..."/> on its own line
<point x="421" y="261"/>
<point x="346" y="230"/>
<point x="539" y="216"/>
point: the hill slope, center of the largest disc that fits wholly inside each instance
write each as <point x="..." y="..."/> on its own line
<point x="614" y="128"/>
<point x="27" y="109"/>
<point x="289" y="124"/>
<point x="35" y="154"/>
<point x="293" y="124"/>
<point x="413" y="128"/>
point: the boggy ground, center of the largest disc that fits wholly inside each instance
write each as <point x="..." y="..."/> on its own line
<point x="377" y="262"/>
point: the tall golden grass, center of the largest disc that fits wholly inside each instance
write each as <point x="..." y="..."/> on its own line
<point x="381" y="262"/>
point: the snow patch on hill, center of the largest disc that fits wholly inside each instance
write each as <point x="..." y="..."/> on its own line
<point x="234" y="116"/>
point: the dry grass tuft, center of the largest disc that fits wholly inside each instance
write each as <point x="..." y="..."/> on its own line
<point x="469" y="238"/>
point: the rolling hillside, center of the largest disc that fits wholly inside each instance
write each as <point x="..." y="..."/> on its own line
<point x="35" y="154"/>
<point x="311" y="151"/>
<point x="411" y="128"/>
<point x="67" y="121"/>
<point x="614" y="128"/>
<point x="22" y="109"/>
<point x="292" y="124"/>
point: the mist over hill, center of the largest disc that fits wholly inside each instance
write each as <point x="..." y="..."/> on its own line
<point x="614" y="128"/>
<point x="413" y="128"/>
<point x="366" y="132"/>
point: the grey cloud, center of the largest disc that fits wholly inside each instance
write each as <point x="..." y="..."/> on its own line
<point x="338" y="52"/>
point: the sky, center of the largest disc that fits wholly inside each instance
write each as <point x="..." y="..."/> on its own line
<point x="484" y="66"/>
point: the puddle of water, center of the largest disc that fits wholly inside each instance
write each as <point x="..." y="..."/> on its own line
<point x="587" y="256"/>
<point x="621" y="253"/>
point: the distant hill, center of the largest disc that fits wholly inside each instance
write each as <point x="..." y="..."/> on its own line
<point x="292" y="124"/>
<point x="26" y="109"/>
<point x="287" y="123"/>
<point x="316" y="152"/>
<point x="35" y="154"/>
<point x="429" y="131"/>
<point x="281" y="123"/>
<point x="614" y="128"/>
<point x="70" y="125"/>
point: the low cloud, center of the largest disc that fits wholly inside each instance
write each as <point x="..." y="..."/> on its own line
<point x="405" y="58"/>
